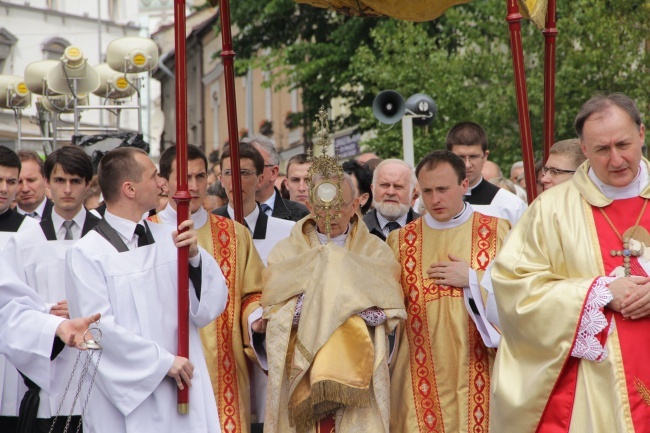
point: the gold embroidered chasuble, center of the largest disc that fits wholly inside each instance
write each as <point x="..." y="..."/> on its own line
<point x="225" y="341"/>
<point x="541" y="280"/>
<point x="440" y="375"/>
<point x="332" y="361"/>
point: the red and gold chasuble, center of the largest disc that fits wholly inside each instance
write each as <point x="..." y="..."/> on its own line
<point x="632" y="334"/>
<point x="222" y="339"/>
<point x="442" y="359"/>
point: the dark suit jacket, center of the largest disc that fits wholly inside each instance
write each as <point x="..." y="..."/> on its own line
<point x="373" y="224"/>
<point x="287" y="209"/>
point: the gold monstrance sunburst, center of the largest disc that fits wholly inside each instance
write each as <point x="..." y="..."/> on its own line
<point x="325" y="178"/>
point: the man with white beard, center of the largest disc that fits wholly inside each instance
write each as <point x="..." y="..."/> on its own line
<point x="393" y="186"/>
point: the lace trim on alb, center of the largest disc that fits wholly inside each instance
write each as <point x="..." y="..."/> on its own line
<point x="593" y="321"/>
<point x="373" y="316"/>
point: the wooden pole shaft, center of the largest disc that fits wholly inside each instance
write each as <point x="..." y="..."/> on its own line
<point x="550" y="34"/>
<point x="514" y="22"/>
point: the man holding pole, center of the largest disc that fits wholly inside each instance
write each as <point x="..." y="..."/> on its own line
<point x="127" y="270"/>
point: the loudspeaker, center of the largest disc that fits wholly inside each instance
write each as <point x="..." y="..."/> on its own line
<point x="388" y="107"/>
<point x="422" y="105"/>
<point x="132" y="54"/>
<point x="36" y="75"/>
<point x="73" y="66"/>
<point x="14" y="92"/>
<point x="113" y="84"/>
<point x="62" y="103"/>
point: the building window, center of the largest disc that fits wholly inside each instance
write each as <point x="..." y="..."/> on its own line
<point x="53" y="48"/>
<point x="7" y="41"/>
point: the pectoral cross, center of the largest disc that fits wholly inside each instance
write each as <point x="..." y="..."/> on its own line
<point x="626" y="253"/>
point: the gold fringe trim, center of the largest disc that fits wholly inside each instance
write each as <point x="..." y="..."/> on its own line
<point x="326" y="397"/>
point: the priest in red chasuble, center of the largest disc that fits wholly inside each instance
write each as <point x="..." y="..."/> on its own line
<point x="573" y="295"/>
<point x="440" y="376"/>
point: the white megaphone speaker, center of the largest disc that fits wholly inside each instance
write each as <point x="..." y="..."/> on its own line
<point x="113" y="84"/>
<point x="14" y="92"/>
<point x="73" y="74"/>
<point x="132" y="54"/>
<point x="36" y="76"/>
<point x="62" y="103"/>
<point x="388" y="107"/>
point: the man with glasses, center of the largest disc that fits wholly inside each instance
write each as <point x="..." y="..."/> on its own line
<point x="468" y="141"/>
<point x="271" y="202"/>
<point x="574" y="347"/>
<point x="563" y="161"/>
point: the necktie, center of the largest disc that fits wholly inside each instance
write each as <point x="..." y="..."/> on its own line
<point x="266" y="208"/>
<point x="32" y="214"/>
<point x="68" y="230"/>
<point x="142" y="235"/>
<point x="393" y="225"/>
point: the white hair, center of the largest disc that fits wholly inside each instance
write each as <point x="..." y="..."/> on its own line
<point x="413" y="179"/>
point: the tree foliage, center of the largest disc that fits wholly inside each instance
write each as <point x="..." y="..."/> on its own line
<point x="462" y="60"/>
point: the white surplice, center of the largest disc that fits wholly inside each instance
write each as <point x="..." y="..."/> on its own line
<point x="41" y="265"/>
<point x="12" y="387"/>
<point x="27" y="332"/>
<point x="136" y="292"/>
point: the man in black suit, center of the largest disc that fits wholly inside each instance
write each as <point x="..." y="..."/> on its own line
<point x="393" y="186"/>
<point x="31" y="197"/>
<point x="267" y="194"/>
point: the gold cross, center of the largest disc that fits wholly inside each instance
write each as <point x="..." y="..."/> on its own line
<point x="626" y="253"/>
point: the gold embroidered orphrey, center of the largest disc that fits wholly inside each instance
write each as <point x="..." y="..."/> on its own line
<point x="325" y="177"/>
<point x="626" y="252"/>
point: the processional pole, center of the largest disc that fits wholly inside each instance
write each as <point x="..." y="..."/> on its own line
<point x="550" y="33"/>
<point x="514" y="22"/>
<point x="227" y="58"/>
<point x="182" y="196"/>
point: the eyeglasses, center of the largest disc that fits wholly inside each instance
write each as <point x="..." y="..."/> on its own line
<point x="555" y="171"/>
<point x="244" y="173"/>
<point x="471" y="158"/>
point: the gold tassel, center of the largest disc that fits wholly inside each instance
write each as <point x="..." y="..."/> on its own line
<point x="326" y="397"/>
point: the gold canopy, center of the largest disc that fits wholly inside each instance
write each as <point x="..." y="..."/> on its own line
<point x="418" y="10"/>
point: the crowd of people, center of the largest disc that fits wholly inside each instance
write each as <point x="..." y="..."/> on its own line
<point x="370" y="296"/>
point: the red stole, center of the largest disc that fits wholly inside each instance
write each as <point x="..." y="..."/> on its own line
<point x="632" y="334"/>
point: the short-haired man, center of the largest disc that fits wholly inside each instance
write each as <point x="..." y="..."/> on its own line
<point x="38" y="257"/>
<point x="330" y="298"/>
<point x="269" y="197"/>
<point x="297" y="168"/>
<point x="393" y="185"/>
<point x="516" y="171"/>
<point x="231" y="245"/>
<point x="266" y="230"/>
<point x="572" y="290"/>
<point x="441" y="372"/>
<point x="468" y="141"/>
<point x="10" y="220"/>
<point x="128" y="270"/>
<point x="563" y="160"/>
<point x="31" y="198"/>
<point x="12" y="389"/>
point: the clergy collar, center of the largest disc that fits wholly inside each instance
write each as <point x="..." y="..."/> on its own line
<point x="126" y="228"/>
<point x="169" y="216"/>
<point x="632" y="190"/>
<point x="58" y="220"/>
<point x="459" y="219"/>
<point x="471" y="188"/>
<point x="39" y="210"/>
<point x="338" y="240"/>
<point x="250" y="219"/>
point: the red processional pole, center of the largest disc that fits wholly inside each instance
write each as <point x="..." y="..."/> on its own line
<point x="227" y="58"/>
<point x="514" y="22"/>
<point x="182" y="196"/>
<point x="550" y="33"/>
